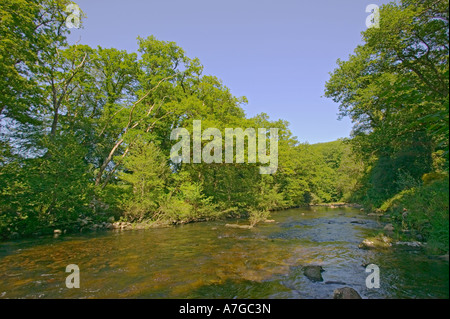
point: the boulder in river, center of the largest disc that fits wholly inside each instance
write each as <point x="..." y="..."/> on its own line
<point x="313" y="272"/>
<point x="375" y="242"/>
<point x="346" y="293"/>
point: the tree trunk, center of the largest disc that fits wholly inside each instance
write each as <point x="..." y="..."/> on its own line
<point x="106" y="162"/>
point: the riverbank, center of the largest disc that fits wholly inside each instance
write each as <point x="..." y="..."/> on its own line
<point x="337" y="205"/>
<point x="420" y="214"/>
<point x="394" y="228"/>
<point x="106" y="222"/>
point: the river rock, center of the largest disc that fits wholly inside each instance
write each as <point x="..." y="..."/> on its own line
<point x="375" y="214"/>
<point x="111" y="219"/>
<point x="375" y="242"/>
<point x="269" y="221"/>
<point x="360" y="222"/>
<point x="346" y="293"/>
<point x="57" y="232"/>
<point x="239" y="226"/>
<point x="120" y="225"/>
<point x="313" y="272"/>
<point x="126" y="225"/>
<point x="444" y="257"/>
<point x="415" y="244"/>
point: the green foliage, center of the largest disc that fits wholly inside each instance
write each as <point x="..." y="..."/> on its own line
<point x="257" y="216"/>
<point x="186" y="202"/>
<point x="431" y="177"/>
<point x="340" y="177"/>
<point x="427" y="212"/>
<point x="30" y="31"/>
<point x="48" y="192"/>
<point x="268" y="197"/>
<point x="395" y="89"/>
<point x="86" y="133"/>
<point x="145" y="173"/>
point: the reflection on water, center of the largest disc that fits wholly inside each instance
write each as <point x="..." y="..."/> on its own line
<point x="208" y="260"/>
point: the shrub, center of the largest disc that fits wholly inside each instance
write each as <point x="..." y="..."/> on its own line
<point x="256" y="216"/>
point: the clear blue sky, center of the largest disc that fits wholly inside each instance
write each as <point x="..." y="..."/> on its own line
<point x="277" y="53"/>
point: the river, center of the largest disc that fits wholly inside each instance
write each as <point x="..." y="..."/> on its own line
<point x="208" y="260"/>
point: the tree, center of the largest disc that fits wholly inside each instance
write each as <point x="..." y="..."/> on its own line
<point x="30" y="32"/>
<point x="146" y="172"/>
<point x="395" y="89"/>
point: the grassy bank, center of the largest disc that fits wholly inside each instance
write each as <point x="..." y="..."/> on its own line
<point x="422" y="213"/>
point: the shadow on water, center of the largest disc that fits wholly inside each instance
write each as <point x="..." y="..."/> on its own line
<point x="208" y="260"/>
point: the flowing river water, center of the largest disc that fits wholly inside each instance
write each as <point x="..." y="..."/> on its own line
<point x="208" y="260"/>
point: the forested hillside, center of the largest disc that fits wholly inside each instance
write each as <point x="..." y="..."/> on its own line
<point x="85" y="134"/>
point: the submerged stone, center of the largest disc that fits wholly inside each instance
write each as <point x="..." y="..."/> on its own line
<point x="313" y="272"/>
<point x="346" y="293"/>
